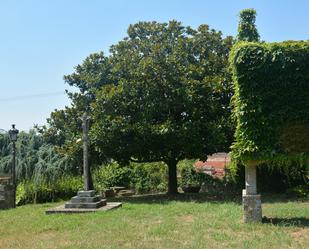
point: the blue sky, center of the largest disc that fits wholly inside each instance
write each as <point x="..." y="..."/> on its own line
<point x="43" y="40"/>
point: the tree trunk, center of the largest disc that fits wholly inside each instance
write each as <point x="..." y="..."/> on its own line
<point x="172" y="177"/>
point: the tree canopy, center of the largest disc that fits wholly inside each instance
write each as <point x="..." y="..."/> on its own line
<point x="247" y="30"/>
<point x="166" y="104"/>
<point x="162" y="94"/>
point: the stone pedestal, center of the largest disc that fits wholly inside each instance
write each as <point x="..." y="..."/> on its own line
<point x="251" y="201"/>
<point x="86" y="200"/>
<point x="7" y="193"/>
<point x="252" y="207"/>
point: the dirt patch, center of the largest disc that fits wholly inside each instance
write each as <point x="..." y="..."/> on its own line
<point x="186" y="218"/>
<point x="301" y="235"/>
<point x="157" y="222"/>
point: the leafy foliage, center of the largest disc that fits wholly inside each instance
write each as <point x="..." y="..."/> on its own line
<point x="111" y="175"/>
<point x="64" y="126"/>
<point x="189" y="175"/>
<point x="35" y="160"/>
<point x="63" y="188"/>
<point x="148" y="177"/>
<point x="271" y="102"/>
<point x="161" y="95"/>
<point x="168" y="103"/>
<point x="247" y="30"/>
<point x="142" y="177"/>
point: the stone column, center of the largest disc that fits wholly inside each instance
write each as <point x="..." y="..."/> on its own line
<point x="87" y="173"/>
<point x="250" y="199"/>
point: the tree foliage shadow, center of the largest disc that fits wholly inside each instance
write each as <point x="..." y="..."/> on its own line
<point x="181" y="197"/>
<point x="285" y="222"/>
<point x="281" y="198"/>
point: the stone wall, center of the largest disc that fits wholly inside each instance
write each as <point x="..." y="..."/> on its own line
<point x="6" y="196"/>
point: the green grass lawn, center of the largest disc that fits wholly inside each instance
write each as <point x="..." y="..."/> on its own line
<point x="186" y="221"/>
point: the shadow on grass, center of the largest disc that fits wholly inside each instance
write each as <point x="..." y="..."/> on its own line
<point x="163" y="198"/>
<point x="280" y="198"/>
<point x="285" y="222"/>
<point x="181" y="197"/>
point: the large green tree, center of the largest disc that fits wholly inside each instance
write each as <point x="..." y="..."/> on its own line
<point x="169" y="99"/>
<point x="162" y="94"/>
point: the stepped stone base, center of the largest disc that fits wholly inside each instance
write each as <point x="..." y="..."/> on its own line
<point x="86" y="199"/>
<point x="84" y="202"/>
<point x="77" y="199"/>
<point x="63" y="210"/>
<point x="89" y="193"/>
<point x="90" y="205"/>
<point x="252" y="208"/>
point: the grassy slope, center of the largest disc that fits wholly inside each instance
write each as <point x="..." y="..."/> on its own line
<point x="158" y="222"/>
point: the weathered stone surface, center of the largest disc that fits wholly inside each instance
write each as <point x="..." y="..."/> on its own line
<point x="118" y="188"/>
<point x="109" y="193"/>
<point x="62" y="210"/>
<point x="250" y="177"/>
<point x="77" y="199"/>
<point x="3" y="187"/>
<point x="86" y="205"/>
<point x="89" y="193"/>
<point x="252" y="208"/>
<point x="126" y="193"/>
<point x="7" y="196"/>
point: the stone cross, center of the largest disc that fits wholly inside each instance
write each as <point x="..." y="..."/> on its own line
<point x="87" y="174"/>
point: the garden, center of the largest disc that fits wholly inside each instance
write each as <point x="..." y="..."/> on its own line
<point x="165" y="97"/>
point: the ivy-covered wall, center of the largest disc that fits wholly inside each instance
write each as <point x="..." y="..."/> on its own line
<point x="271" y="102"/>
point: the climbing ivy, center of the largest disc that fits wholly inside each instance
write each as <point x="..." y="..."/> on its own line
<point x="271" y="102"/>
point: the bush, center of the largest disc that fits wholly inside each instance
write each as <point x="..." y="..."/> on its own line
<point x="209" y="184"/>
<point x="148" y="177"/>
<point x="64" y="188"/>
<point x="143" y="177"/>
<point x="189" y="176"/>
<point x="112" y="174"/>
<point x="301" y="191"/>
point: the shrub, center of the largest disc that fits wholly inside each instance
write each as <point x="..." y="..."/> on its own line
<point x="301" y="191"/>
<point x="148" y="177"/>
<point x="143" y="177"/>
<point x="63" y="188"/>
<point x="112" y="174"/>
<point x="189" y="176"/>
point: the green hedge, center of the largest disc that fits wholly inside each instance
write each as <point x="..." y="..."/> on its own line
<point x="271" y="102"/>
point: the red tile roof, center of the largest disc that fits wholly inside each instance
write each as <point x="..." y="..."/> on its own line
<point x="215" y="164"/>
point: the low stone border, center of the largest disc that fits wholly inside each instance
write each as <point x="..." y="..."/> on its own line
<point x="62" y="210"/>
